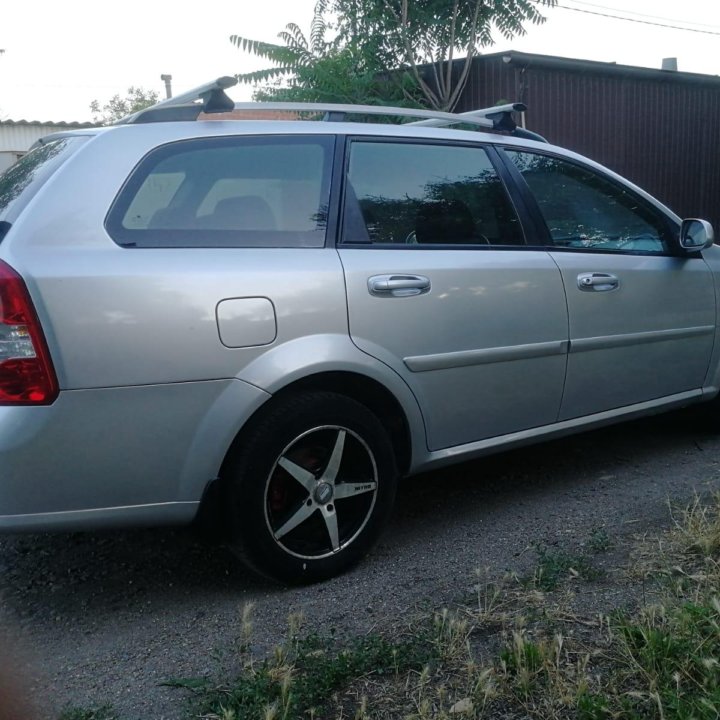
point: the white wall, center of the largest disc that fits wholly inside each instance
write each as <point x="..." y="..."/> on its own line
<point x="7" y="159"/>
<point x="17" y="137"/>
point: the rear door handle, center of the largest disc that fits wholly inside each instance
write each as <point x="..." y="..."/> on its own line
<point x="597" y="282"/>
<point x="398" y="285"/>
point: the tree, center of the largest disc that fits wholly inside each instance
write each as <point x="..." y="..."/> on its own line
<point x="386" y="50"/>
<point x="318" y="69"/>
<point x="117" y="107"/>
<point x="424" y="38"/>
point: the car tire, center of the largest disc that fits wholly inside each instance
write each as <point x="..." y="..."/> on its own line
<point x="311" y="487"/>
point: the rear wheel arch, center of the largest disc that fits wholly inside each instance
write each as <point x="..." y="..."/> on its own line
<point x="375" y="396"/>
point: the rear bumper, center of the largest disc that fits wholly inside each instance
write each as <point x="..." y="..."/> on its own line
<point x="102" y="518"/>
<point x="117" y="456"/>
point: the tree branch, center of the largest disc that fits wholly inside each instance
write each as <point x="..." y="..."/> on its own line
<point x="431" y="96"/>
<point x="469" y="56"/>
<point x="436" y="65"/>
<point x="453" y="25"/>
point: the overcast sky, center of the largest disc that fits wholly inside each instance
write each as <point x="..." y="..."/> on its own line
<point x="59" y="57"/>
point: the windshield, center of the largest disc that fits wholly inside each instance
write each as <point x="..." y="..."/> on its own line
<point x="22" y="180"/>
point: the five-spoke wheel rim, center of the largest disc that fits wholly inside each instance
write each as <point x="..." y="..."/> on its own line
<point x="321" y="492"/>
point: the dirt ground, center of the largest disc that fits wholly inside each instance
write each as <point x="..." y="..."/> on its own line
<point x="107" y="617"/>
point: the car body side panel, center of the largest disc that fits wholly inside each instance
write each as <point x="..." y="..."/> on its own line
<point x="712" y="381"/>
<point x="118" y="446"/>
<point x="119" y="317"/>
<point x="652" y="337"/>
<point x="469" y="451"/>
<point x="484" y="350"/>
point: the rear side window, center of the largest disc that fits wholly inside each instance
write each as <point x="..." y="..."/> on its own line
<point x="227" y="192"/>
<point x="426" y="194"/>
<point x="20" y="182"/>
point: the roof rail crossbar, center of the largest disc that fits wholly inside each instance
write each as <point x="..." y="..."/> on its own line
<point x="500" y="116"/>
<point x="334" y="111"/>
<point x="211" y="95"/>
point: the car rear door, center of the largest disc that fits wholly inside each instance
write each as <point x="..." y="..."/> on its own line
<point x="442" y="288"/>
<point x="642" y="317"/>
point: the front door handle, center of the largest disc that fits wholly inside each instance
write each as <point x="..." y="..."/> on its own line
<point x="398" y="285"/>
<point x="597" y="282"/>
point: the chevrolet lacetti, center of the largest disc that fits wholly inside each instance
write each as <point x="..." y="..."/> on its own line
<point x="272" y="321"/>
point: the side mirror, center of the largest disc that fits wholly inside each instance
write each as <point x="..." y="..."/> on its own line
<point x="696" y="235"/>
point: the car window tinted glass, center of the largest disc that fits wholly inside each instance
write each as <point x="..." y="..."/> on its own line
<point x="584" y="209"/>
<point x="23" y="179"/>
<point x="411" y="193"/>
<point x="227" y="192"/>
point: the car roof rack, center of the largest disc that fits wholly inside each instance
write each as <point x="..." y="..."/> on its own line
<point x="179" y="108"/>
<point x="211" y="98"/>
<point x="500" y="115"/>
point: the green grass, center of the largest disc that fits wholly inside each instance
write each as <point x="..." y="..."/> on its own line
<point x="555" y="566"/>
<point x="100" y="713"/>
<point x="298" y="679"/>
<point x="599" y="541"/>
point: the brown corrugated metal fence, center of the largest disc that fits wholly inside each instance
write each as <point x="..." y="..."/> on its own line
<point x="659" y="129"/>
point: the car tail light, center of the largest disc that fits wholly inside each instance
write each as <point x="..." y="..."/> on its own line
<point x="27" y="376"/>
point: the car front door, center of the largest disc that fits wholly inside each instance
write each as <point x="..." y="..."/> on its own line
<point x="642" y="317"/>
<point x="442" y="288"/>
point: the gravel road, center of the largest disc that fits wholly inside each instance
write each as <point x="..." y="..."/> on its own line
<point x="106" y="617"/>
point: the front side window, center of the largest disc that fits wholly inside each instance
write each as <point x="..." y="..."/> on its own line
<point x="426" y="194"/>
<point x="585" y="210"/>
<point x="227" y="192"/>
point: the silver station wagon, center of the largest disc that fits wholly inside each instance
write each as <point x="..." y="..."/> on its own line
<point x="272" y="321"/>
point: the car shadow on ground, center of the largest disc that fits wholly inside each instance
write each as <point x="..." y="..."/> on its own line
<point x="103" y="572"/>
